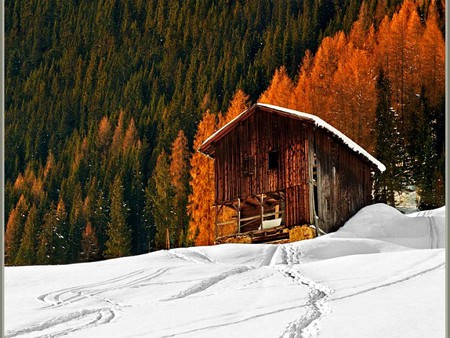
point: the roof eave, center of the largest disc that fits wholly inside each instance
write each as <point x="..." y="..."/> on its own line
<point x="207" y="146"/>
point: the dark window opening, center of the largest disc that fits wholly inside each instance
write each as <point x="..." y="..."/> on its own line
<point x="248" y="166"/>
<point x="273" y="160"/>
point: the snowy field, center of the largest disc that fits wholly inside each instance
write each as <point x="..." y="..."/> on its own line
<point x="381" y="275"/>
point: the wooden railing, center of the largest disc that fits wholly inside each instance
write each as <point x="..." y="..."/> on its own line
<point x="247" y="221"/>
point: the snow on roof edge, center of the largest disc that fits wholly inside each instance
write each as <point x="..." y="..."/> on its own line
<point x="322" y="124"/>
<point x="318" y="122"/>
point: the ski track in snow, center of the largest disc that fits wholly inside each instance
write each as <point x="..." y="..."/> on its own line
<point x="74" y="294"/>
<point x="85" y="318"/>
<point x="246" y="319"/>
<point x="207" y="283"/>
<point x="194" y="256"/>
<point x="56" y="327"/>
<point x="401" y="280"/>
<point x="256" y="280"/>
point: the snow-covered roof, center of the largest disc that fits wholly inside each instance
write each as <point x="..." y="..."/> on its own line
<point x="207" y="149"/>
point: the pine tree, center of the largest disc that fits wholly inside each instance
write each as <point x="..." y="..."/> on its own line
<point x="61" y="234"/>
<point x="134" y="194"/>
<point x="179" y="169"/>
<point x="76" y="221"/>
<point x="432" y="58"/>
<point x="388" y="144"/>
<point x="28" y="245"/>
<point x="119" y="234"/>
<point x="424" y="147"/>
<point x="149" y="226"/>
<point x="96" y="210"/>
<point x="89" y="244"/>
<point x="46" y="246"/>
<point x="163" y="203"/>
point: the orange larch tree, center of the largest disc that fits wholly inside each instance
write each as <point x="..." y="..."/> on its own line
<point x="354" y="92"/>
<point x="432" y="58"/>
<point x="353" y="96"/>
<point x="14" y="230"/>
<point x="280" y="89"/>
<point x="179" y="171"/>
<point x="326" y="63"/>
<point x="398" y="66"/>
<point x="201" y="200"/>
<point x="238" y="104"/>
<point x="299" y="99"/>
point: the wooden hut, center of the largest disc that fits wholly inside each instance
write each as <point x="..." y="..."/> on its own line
<point x="277" y="168"/>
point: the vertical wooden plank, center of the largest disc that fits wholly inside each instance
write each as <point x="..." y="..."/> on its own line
<point x="239" y="216"/>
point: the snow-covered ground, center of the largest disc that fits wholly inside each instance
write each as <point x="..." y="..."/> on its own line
<point x="381" y="275"/>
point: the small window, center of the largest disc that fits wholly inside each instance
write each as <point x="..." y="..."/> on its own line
<point x="273" y="160"/>
<point x="248" y="166"/>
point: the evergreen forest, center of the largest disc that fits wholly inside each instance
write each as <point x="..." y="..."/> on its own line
<point x="107" y="101"/>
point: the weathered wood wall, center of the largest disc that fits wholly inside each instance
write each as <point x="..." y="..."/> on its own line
<point x="344" y="181"/>
<point x="256" y="136"/>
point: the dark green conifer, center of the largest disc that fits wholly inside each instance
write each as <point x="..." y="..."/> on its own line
<point x="118" y="231"/>
<point x="388" y="144"/>
<point x="162" y="201"/>
<point x="28" y="245"/>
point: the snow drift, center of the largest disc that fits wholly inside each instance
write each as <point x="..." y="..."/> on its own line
<point x="422" y="230"/>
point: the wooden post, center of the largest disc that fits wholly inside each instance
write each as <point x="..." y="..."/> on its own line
<point x="239" y="216"/>
<point x="277" y="211"/>
<point x="216" y="221"/>
<point x="218" y="210"/>
<point x="167" y="239"/>
<point x="262" y="210"/>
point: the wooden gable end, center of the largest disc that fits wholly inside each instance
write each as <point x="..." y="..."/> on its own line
<point x="265" y="153"/>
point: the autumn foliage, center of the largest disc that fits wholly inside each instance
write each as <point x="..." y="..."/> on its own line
<point x="201" y="200"/>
